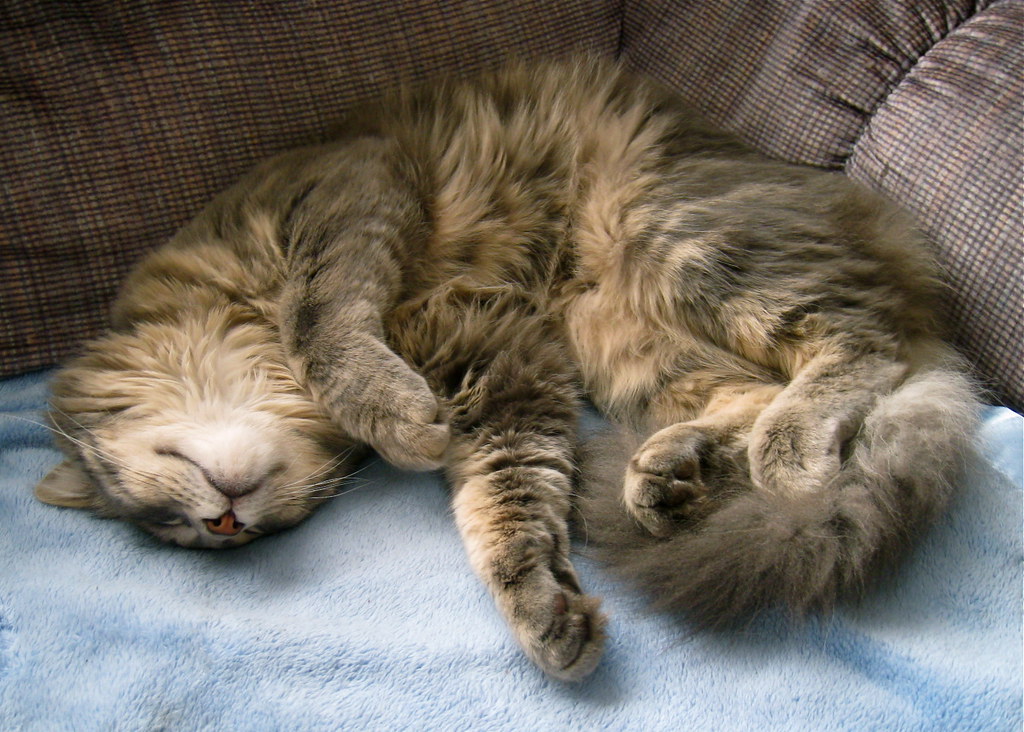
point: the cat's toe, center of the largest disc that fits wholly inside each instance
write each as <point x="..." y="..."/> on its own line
<point x="662" y="502"/>
<point x="570" y="647"/>
<point x="415" y="446"/>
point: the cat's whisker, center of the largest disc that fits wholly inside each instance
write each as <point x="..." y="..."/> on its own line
<point x="324" y="468"/>
<point x="325" y="487"/>
<point x="339" y="494"/>
<point x="70" y="418"/>
<point x="35" y="422"/>
<point x="361" y="469"/>
<point x="109" y="457"/>
<point x="313" y="488"/>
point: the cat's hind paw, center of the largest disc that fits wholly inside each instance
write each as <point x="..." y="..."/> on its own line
<point x="794" y="451"/>
<point x="665" y="482"/>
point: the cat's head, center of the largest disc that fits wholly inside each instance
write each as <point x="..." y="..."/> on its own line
<point x="194" y="431"/>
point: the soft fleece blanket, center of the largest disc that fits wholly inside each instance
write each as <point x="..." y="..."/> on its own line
<point x="367" y="617"/>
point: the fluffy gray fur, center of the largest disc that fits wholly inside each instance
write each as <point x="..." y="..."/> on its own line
<point x="444" y="280"/>
<point x="799" y="552"/>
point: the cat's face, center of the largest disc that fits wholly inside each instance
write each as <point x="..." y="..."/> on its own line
<point x="196" y="433"/>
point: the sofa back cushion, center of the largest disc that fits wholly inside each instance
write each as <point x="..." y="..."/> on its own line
<point x="120" y="120"/>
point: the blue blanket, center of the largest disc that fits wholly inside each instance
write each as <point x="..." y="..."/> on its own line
<point x="367" y="617"/>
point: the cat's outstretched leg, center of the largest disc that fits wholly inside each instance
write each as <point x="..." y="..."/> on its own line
<point x="513" y="522"/>
<point x="513" y="409"/>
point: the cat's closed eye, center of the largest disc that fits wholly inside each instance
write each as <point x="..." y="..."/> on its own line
<point x="230" y="483"/>
<point x="172" y="453"/>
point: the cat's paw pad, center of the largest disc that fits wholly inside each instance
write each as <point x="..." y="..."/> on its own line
<point x="665" y="483"/>
<point x="566" y="634"/>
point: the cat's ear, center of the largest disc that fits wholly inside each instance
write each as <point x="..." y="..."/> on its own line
<point x="67" y="485"/>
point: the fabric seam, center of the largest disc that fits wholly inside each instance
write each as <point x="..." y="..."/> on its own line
<point x="898" y="82"/>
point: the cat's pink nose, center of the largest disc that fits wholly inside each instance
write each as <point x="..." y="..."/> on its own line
<point x="227" y="524"/>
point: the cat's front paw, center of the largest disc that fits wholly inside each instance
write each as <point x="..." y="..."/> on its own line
<point x="561" y="630"/>
<point x="377" y="399"/>
<point x="666" y="479"/>
<point x="410" y="430"/>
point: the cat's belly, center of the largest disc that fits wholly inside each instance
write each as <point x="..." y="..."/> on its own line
<point x="623" y="357"/>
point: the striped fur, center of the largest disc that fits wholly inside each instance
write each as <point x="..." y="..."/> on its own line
<point x="444" y="281"/>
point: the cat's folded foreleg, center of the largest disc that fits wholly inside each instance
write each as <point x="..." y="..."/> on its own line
<point x="350" y="236"/>
<point x="376" y="398"/>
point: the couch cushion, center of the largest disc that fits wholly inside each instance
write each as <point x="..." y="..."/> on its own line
<point x="947" y="142"/>
<point x="875" y="86"/>
<point x="119" y="120"/>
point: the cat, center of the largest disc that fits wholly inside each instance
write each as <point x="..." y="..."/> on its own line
<point x="447" y="278"/>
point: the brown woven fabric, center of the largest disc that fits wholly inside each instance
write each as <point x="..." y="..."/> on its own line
<point x="947" y="142"/>
<point x="796" y="78"/>
<point x="119" y="120"/>
<point x="920" y="99"/>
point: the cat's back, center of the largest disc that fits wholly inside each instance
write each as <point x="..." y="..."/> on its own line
<point x="522" y="174"/>
<point x="511" y="163"/>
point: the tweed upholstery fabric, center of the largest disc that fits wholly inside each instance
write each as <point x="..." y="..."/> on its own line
<point x="921" y="99"/>
<point x="958" y="165"/>
<point x="797" y="79"/>
<point x="120" y="120"/>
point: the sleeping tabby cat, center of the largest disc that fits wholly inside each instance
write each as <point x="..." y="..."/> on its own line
<point x="448" y="276"/>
